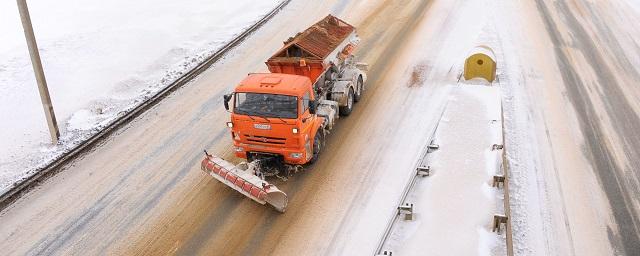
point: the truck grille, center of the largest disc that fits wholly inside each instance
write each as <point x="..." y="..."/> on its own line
<point x="264" y="139"/>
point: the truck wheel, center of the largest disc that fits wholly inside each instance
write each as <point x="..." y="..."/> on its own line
<point x="346" y="110"/>
<point x="317" y="146"/>
<point x="359" y="90"/>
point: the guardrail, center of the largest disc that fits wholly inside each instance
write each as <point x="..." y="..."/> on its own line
<point x="420" y="170"/>
<point x="423" y="170"/>
<point x="505" y="171"/>
<point x="52" y="168"/>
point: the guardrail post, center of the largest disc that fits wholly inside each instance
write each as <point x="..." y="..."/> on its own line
<point x="497" y="179"/>
<point x="407" y="210"/>
<point x="423" y="171"/>
<point x="498" y="220"/>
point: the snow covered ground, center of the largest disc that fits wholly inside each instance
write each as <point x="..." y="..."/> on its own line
<point x="100" y="58"/>
<point x="549" y="172"/>
<point x="456" y="203"/>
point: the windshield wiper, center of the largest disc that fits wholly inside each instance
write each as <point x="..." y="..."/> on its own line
<point x="246" y="113"/>
<point x="262" y="114"/>
<point x="265" y="119"/>
<point x="283" y="121"/>
<point x="257" y="114"/>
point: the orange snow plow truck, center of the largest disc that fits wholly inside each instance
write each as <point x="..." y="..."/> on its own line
<point x="279" y="120"/>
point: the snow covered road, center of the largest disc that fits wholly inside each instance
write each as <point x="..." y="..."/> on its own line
<point x="572" y="112"/>
<point x="568" y="71"/>
<point x="142" y="192"/>
<point x="600" y="73"/>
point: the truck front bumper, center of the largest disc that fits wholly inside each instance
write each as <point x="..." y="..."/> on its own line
<point x="290" y="155"/>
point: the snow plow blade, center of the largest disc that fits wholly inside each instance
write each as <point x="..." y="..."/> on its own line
<point x="245" y="181"/>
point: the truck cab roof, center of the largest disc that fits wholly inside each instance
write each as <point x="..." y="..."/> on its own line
<point x="274" y="83"/>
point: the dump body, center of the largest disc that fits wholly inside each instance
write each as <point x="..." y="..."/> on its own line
<point x="311" y="52"/>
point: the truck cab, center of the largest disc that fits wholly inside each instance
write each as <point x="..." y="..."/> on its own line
<point x="273" y="116"/>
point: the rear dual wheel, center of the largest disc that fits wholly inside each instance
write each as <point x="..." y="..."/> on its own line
<point x="359" y="89"/>
<point x="346" y="110"/>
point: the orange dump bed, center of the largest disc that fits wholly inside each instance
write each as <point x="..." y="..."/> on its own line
<point x="309" y="53"/>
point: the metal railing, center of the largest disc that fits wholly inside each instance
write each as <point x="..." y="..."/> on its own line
<point x="507" y="205"/>
<point x="421" y="169"/>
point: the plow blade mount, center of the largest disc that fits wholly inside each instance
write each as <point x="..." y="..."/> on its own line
<point x="245" y="181"/>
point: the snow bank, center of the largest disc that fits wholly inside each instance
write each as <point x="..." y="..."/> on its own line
<point x="454" y="206"/>
<point x="100" y="58"/>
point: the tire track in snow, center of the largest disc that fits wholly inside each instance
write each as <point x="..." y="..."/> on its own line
<point x="625" y="237"/>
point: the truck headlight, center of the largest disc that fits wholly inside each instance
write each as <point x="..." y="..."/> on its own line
<point x="239" y="149"/>
<point x="296" y="155"/>
<point x="295" y="130"/>
<point x="230" y="124"/>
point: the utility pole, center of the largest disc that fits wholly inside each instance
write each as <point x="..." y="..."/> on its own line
<point x="39" y="72"/>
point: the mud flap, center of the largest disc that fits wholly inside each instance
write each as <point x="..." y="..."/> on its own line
<point x="245" y="181"/>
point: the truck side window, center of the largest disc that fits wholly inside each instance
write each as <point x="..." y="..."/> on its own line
<point x="305" y="102"/>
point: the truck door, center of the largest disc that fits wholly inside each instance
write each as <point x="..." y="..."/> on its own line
<point x="306" y="116"/>
<point x="307" y="122"/>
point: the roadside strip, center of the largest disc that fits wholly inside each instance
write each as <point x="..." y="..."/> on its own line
<point x="474" y="139"/>
<point x="55" y="166"/>
<point x="421" y="169"/>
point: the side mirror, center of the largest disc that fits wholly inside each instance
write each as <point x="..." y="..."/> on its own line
<point x="227" y="98"/>
<point x="312" y="107"/>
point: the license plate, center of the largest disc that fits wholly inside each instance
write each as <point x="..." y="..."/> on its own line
<point x="262" y="126"/>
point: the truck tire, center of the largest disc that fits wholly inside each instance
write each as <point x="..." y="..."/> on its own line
<point x="346" y="110"/>
<point x="318" y="142"/>
<point x="359" y="89"/>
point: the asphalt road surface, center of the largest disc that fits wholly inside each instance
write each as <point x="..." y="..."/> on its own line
<point x="141" y="192"/>
<point x="578" y="64"/>
<point x="575" y="62"/>
<point x="609" y="118"/>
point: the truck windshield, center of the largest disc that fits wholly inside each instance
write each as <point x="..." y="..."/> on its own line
<point x="266" y="105"/>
